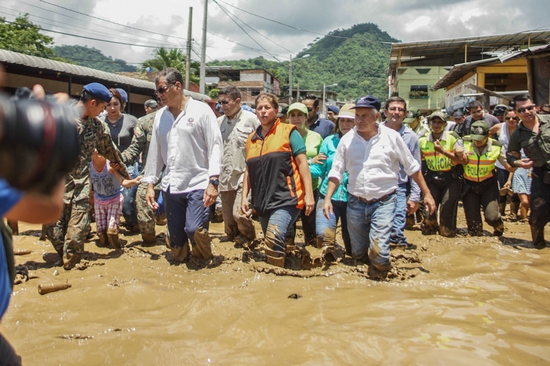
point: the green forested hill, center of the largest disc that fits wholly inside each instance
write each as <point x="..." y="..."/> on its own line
<point x="92" y="57"/>
<point x="355" y="58"/>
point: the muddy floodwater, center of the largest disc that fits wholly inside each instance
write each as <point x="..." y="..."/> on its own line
<point x="467" y="301"/>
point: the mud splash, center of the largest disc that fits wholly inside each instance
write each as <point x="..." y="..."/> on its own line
<point x="459" y="300"/>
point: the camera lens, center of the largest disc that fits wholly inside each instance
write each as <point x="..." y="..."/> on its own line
<point x="38" y="143"/>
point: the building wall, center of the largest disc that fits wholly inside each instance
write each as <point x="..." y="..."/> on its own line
<point x="411" y="81"/>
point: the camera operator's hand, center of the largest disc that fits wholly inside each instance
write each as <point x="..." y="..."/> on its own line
<point x="40" y="93"/>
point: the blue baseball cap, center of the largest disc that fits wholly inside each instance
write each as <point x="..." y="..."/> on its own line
<point x="367" y="102"/>
<point x="334" y="109"/>
<point x="123" y="94"/>
<point x="99" y="91"/>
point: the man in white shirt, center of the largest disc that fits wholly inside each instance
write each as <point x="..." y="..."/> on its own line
<point x="235" y="126"/>
<point x="371" y="155"/>
<point x="187" y="140"/>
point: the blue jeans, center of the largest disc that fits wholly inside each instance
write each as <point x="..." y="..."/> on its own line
<point x="399" y="220"/>
<point x="129" y="207"/>
<point x="276" y="226"/>
<point x="338" y="212"/>
<point x="370" y="226"/>
<point x="185" y="214"/>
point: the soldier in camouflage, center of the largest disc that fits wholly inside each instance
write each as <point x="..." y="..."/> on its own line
<point x="70" y="231"/>
<point x="140" y="145"/>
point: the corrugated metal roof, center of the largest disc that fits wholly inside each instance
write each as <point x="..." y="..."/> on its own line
<point x="11" y="57"/>
<point x="474" y="47"/>
<point x="460" y="70"/>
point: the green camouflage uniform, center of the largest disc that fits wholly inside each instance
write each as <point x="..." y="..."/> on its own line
<point x="70" y="231"/>
<point x="140" y="144"/>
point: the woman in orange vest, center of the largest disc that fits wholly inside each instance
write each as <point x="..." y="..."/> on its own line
<point x="480" y="178"/>
<point x="277" y="176"/>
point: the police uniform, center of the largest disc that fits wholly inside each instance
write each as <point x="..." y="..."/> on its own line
<point x="443" y="182"/>
<point x="481" y="184"/>
<point x="71" y="230"/>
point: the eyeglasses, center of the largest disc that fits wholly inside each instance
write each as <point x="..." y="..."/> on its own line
<point x="514" y="118"/>
<point x="224" y="102"/>
<point x="163" y="89"/>
<point x="398" y="109"/>
<point x="309" y="109"/>
<point x="523" y="109"/>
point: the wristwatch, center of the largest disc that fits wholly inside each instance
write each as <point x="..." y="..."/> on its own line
<point x="215" y="182"/>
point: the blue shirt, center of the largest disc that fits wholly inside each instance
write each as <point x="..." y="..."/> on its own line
<point x="328" y="147"/>
<point x="411" y="140"/>
<point x="323" y="127"/>
<point x="8" y="198"/>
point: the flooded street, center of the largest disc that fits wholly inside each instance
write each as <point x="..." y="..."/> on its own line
<point x="463" y="300"/>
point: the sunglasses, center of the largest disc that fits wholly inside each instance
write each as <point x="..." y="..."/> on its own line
<point x="163" y="89"/>
<point x="514" y="118"/>
<point x="224" y="102"/>
<point x="523" y="109"/>
<point x="309" y="109"/>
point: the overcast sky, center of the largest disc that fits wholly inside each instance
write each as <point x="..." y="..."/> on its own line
<point x="156" y="23"/>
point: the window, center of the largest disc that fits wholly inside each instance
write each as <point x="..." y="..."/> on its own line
<point x="418" y="92"/>
<point x="255" y="92"/>
<point x="423" y="71"/>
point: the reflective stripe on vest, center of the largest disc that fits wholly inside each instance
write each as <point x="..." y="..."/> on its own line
<point x="480" y="168"/>
<point x="435" y="161"/>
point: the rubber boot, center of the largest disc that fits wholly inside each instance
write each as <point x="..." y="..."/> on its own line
<point x="70" y="260"/>
<point x="202" y="247"/>
<point x="103" y="241"/>
<point x="538" y="237"/>
<point x="502" y="208"/>
<point x="148" y="238"/>
<point x="114" y="240"/>
<point x="180" y="254"/>
<point x="275" y="258"/>
<point x="514" y="207"/>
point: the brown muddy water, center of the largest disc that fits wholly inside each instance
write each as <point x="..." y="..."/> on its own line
<point x="465" y="300"/>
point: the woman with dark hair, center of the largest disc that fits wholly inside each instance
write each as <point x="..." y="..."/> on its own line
<point x="277" y="176"/>
<point x="326" y="229"/>
<point x="121" y="126"/>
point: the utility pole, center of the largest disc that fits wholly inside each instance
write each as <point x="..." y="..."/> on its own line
<point x="203" y="52"/>
<point x="188" y="58"/>
<point x="290" y="81"/>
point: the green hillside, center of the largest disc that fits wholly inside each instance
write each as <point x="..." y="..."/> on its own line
<point x="355" y="58"/>
<point x="93" y="58"/>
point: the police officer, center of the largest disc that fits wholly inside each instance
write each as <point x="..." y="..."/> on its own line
<point x="70" y="231"/>
<point x="441" y="151"/>
<point x="480" y="179"/>
<point x="533" y="136"/>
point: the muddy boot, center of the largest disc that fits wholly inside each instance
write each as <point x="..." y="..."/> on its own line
<point x="202" y="248"/>
<point x="514" y="207"/>
<point x="180" y="254"/>
<point x="502" y="208"/>
<point x="446" y="232"/>
<point x="275" y="258"/>
<point x="538" y="237"/>
<point x="103" y="241"/>
<point x="14" y="226"/>
<point x="499" y="229"/>
<point x="70" y="260"/>
<point x="148" y="238"/>
<point x="114" y="241"/>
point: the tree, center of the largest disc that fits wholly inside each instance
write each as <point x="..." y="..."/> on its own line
<point x="171" y="58"/>
<point x="24" y="36"/>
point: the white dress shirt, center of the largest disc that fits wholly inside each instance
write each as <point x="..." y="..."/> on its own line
<point x="189" y="146"/>
<point x="373" y="165"/>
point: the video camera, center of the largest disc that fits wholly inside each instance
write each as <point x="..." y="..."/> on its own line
<point x="38" y="142"/>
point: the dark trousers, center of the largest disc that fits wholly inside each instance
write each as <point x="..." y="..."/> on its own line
<point x="540" y="207"/>
<point x="483" y="195"/>
<point x="446" y="194"/>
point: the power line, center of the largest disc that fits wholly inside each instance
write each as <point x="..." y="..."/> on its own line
<point x="281" y="23"/>
<point x="238" y="25"/>
<point x="109" y="21"/>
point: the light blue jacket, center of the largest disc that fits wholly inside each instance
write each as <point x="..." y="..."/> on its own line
<point x="328" y="147"/>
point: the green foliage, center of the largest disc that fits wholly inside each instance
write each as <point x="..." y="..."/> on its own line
<point x="355" y="58"/>
<point x="214" y="93"/>
<point x="92" y="58"/>
<point x="173" y="57"/>
<point x="24" y="36"/>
